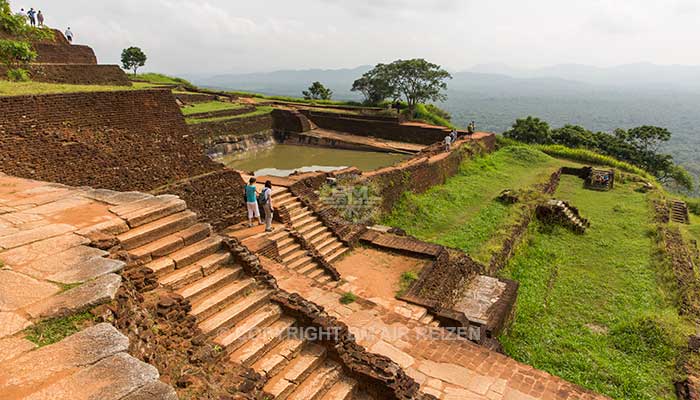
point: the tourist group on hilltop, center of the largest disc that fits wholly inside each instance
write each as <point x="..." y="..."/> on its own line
<point x="36" y="18"/>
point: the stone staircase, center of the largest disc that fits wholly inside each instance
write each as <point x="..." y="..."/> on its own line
<point x="562" y="212"/>
<point x="232" y="309"/>
<point x="298" y="259"/>
<point x="311" y="227"/>
<point x="679" y="212"/>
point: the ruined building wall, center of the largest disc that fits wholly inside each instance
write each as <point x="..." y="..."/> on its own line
<point x="383" y="128"/>
<point x="124" y="140"/>
<point x="76" y="74"/>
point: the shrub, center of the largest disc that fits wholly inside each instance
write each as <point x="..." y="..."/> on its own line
<point x="348" y="297"/>
<point x="432" y="115"/>
<point x="694" y="206"/>
<point x="17" y="75"/>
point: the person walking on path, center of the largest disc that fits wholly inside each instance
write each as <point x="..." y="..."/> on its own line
<point x="448" y="142"/>
<point x="40" y="18"/>
<point x="266" y="200"/>
<point x="69" y="35"/>
<point x="32" y="16"/>
<point x="471" y="128"/>
<point x="251" y="202"/>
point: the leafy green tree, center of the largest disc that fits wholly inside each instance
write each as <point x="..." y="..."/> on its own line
<point x="17" y="52"/>
<point x="573" y="136"/>
<point x="133" y="58"/>
<point x="15" y="55"/>
<point x="415" y="81"/>
<point x="530" y="130"/>
<point x="375" y="85"/>
<point x="317" y="92"/>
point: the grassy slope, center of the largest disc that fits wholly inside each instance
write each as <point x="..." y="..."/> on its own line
<point x="606" y="278"/>
<point x="262" y="110"/>
<point x="463" y="213"/>
<point x="210" y="107"/>
<point x="36" y="88"/>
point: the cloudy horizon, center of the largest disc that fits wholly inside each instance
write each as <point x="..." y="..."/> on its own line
<point x="216" y="36"/>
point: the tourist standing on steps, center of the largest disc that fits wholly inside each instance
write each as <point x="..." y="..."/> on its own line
<point x="40" y="18"/>
<point x="251" y="202"/>
<point x="448" y="142"/>
<point x="266" y="196"/>
<point x="69" y="35"/>
<point x="32" y="16"/>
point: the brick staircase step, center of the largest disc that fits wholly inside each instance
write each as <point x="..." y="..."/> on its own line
<point x="427" y="319"/>
<point x="301" y="263"/>
<point x="294" y="206"/>
<point x="221" y="297"/>
<point x="144" y="211"/>
<point x="330" y="248"/>
<point x="316" y="273"/>
<point x="342" y="390"/>
<point x="307" y="268"/>
<point x="287" y="251"/>
<point x="278" y="357"/>
<point x="195" y="233"/>
<point x="282" y="384"/>
<point x="212" y="262"/>
<point x="301" y="223"/>
<point x="284" y="243"/>
<point x="278" y="235"/>
<point x="342" y="250"/>
<point x="196" y="251"/>
<point x="161" y="266"/>
<point x="312" y="235"/>
<point x="321" y="245"/>
<point x="159" y="248"/>
<point x="303" y="230"/>
<point x="252" y="350"/>
<point x="233" y="313"/>
<point x="301" y="215"/>
<point x="324" y="279"/>
<point x="293" y="256"/>
<point x="157" y="229"/>
<point x="235" y="336"/>
<point x="318" y="383"/>
<point x="202" y="287"/>
<point x="181" y="277"/>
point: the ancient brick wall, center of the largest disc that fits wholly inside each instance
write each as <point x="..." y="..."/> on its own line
<point x="51" y="53"/>
<point x="125" y="140"/>
<point x="232" y="127"/>
<point x="293" y="121"/>
<point x="216" y="197"/>
<point x="418" y="175"/>
<point x="188" y="98"/>
<point x="77" y="74"/>
<point x="383" y="129"/>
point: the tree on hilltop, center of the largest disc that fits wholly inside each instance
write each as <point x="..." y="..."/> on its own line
<point x="530" y="130"/>
<point x="133" y="58"/>
<point x="416" y="81"/>
<point x="317" y="92"/>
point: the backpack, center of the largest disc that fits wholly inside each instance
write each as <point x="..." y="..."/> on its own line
<point x="261" y="197"/>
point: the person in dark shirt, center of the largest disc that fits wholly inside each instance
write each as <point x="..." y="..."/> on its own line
<point x="32" y="16"/>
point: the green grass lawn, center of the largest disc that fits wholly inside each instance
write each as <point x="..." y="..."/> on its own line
<point x="262" y="110"/>
<point x="210" y="106"/>
<point x="463" y="213"/>
<point x="156" y="78"/>
<point x="596" y="309"/>
<point x="35" y="88"/>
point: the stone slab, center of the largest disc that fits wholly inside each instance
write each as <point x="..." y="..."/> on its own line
<point x="18" y="291"/>
<point x="156" y="390"/>
<point x="398" y="356"/>
<point x="87" y="270"/>
<point x="78" y="299"/>
<point x="42" y="248"/>
<point x="110" y="379"/>
<point x="20" y="376"/>
<point x="11" y="323"/>
<point x="60" y="262"/>
<point x="35" y="235"/>
<point x="13" y="347"/>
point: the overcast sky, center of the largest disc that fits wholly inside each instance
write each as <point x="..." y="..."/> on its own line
<point x="187" y="36"/>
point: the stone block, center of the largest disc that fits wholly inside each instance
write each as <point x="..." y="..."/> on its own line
<point x="83" y="297"/>
<point x="34" y="235"/>
<point x="18" y="290"/>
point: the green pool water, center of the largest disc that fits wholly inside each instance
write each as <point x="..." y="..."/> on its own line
<point x="282" y="160"/>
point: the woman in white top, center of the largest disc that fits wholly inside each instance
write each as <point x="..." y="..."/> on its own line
<point x="267" y="205"/>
